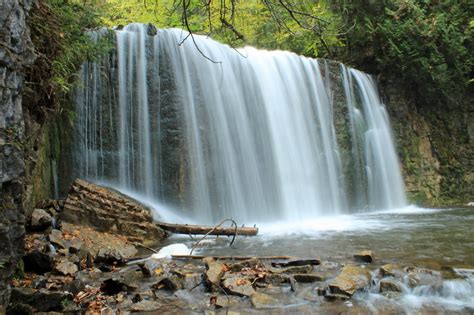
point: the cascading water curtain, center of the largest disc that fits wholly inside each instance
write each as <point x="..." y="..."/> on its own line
<point x="251" y="138"/>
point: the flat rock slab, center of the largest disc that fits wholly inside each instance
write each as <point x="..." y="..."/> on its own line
<point x="108" y="210"/>
<point x="238" y="286"/>
<point x="308" y="277"/>
<point x="262" y="300"/>
<point x="214" y="272"/>
<point x="66" y="268"/>
<point x="297" y="262"/>
<point x="351" y="279"/>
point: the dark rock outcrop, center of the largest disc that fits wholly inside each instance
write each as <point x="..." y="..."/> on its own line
<point x="16" y="53"/>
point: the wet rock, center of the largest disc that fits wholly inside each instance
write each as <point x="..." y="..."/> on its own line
<point x="171" y="283"/>
<point x="262" y="300"/>
<point x="365" y="256"/>
<point x="214" y="272"/>
<point x="294" y="270"/>
<point x="75" y="245"/>
<point x="308" y="277"/>
<point x="389" y="285"/>
<point x="238" y="286"/>
<point x="276" y="278"/>
<point x="66" y="267"/>
<point x="38" y="262"/>
<point x="297" y="262"/>
<point x="40" y="220"/>
<point x="421" y="276"/>
<point x="145" y="306"/>
<point x="42" y="300"/>
<point x="351" y="279"/>
<point x="249" y="263"/>
<point x="73" y="287"/>
<point x="221" y="301"/>
<point x="154" y="268"/>
<point x="126" y="280"/>
<point x="151" y="29"/>
<point x="336" y="297"/>
<point x="115" y="255"/>
<point x="56" y="238"/>
<point x="390" y="270"/>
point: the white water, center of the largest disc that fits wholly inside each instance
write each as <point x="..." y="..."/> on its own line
<point x="254" y="139"/>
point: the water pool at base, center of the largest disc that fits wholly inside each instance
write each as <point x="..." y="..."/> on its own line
<point x="441" y="240"/>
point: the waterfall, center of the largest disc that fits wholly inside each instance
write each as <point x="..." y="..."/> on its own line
<point x="252" y="135"/>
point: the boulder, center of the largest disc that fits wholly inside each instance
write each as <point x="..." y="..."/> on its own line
<point x="114" y="255"/>
<point x="297" y="262"/>
<point x="238" y="286"/>
<point x="56" y="238"/>
<point x="308" y="277"/>
<point x="351" y="279"/>
<point x="365" y="256"/>
<point x="108" y="210"/>
<point x="214" y="272"/>
<point x="40" y="220"/>
<point x="38" y="262"/>
<point x="262" y="300"/>
<point x="66" y="267"/>
<point x="387" y="285"/>
<point x="390" y="270"/>
<point x="41" y="300"/>
<point x="154" y="268"/>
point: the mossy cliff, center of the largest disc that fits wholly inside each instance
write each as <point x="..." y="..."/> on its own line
<point x="435" y="145"/>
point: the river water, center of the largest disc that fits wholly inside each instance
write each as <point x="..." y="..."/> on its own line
<point x="438" y="239"/>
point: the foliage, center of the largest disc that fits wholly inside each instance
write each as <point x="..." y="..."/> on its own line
<point x="427" y="45"/>
<point x="58" y="31"/>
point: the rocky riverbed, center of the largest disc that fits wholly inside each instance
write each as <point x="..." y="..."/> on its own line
<point x="77" y="269"/>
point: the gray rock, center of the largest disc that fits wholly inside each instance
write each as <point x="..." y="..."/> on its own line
<point x="297" y="262"/>
<point x="171" y="283"/>
<point x="38" y="262"/>
<point x="365" y="256"/>
<point x="41" y="300"/>
<point x="262" y="300"/>
<point x="238" y="286"/>
<point x="214" y="272"/>
<point x="66" y="267"/>
<point x="56" y="238"/>
<point x="154" y="268"/>
<point x="115" y="255"/>
<point x="308" y="277"/>
<point x="74" y="286"/>
<point x="146" y="306"/>
<point x="40" y="220"/>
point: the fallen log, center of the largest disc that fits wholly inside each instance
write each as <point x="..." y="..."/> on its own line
<point x="185" y="257"/>
<point x="207" y="230"/>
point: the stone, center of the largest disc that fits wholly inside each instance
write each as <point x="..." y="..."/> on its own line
<point x="40" y="220"/>
<point x="154" y="268"/>
<point x="350" y="280"/>
<point x="65" y="268"/>
<point x="294" y="269"/>
<point x="276" y="279"/>
<point x="115" y="255"/>
<point x="297" y="262"/>
<point x="365" y="256"/>
<point x="214" y="272"/>
<point x="38" y="262"/>
<point x="308" y="277"/>
<point x="238" y="286"/>
<point x="41" y="300"/>
<point x="262" y="300"/>
<point x="387" y="285"/>
<point x="74" y="286"/>
<point x="421" y="276"/>
<point x="171" y="283"/>
<point x="146" y="306"/>
<point x="56" y="238"/>
<point x="390" y="270"/>
<point x="75" y="245"/>
<point x="335" y="297"/>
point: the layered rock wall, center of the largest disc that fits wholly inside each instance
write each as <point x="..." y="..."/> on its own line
<point x="16" y="53"/>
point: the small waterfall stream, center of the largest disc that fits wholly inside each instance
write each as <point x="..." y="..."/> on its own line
<point x="257" y="136"/>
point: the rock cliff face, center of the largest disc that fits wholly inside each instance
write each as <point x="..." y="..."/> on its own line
<point x="16" y="53"/>
<point x="436" y="147"/>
